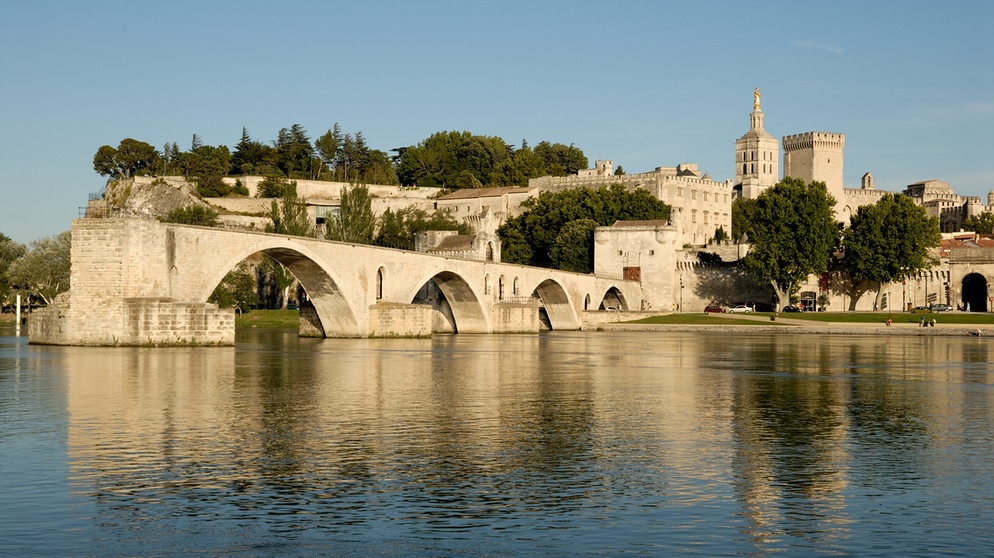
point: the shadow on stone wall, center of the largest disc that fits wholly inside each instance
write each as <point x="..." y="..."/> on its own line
<point x="729" y="284"/>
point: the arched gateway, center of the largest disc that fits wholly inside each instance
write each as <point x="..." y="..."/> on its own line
<point x="975" y="292"/>
<point x="142" y="282"/>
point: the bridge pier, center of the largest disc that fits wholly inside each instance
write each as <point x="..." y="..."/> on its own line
<point x="151" y="322"/>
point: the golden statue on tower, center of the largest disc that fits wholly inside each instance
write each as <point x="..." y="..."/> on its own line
<point x="755" y="99"/>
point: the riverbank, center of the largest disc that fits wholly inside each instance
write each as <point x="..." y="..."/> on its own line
<point x="745" y="323"/>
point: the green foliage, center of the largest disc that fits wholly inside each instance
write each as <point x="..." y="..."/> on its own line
<point x="274" y="185"/>
<point x="619" y="171"/>
<point x="982" y="223"/>
<point x="465" y="160"/>
<point x="398" y="229"/>
<point x="295" y="154"/>
<point x="355" y="222"/>
<point x="202" y="160"/>
<point x="240" y="189"/>
<point x="793" y="233"/>
<point x="709" y="258"/>
<point x="573" y="248"/>
<point x="236" y="290"/>
<point x="720" y="235"/>
<point x="889" y="239"/>
<point x="560" y="160"/>
<point x="743" y="214"/>
<point x="529" y="238"/>
<point x="289" y="214"/>
<point x="327" y="146"/>
<point x="193" y="215"/>
<point x="212" y="186"/>
<point x="10" y="251"/>
<point x="43" y="270"/>
<point x="130" y="158"/>
<point x="274" y="281"/>
<point x="253" y="157"/>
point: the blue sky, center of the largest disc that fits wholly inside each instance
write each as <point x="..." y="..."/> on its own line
<point x="644" y="84"/>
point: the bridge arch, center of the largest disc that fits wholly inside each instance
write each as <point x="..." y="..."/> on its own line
<point x="336" y="317"/>
<point x="558" y="306"/>
<point x="613" y="299"/>
<point x="466" y="307"/>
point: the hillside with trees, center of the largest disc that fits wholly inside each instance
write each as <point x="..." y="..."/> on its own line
<point x="445" y="159"/>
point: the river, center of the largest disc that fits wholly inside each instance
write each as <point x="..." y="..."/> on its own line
<point x="559" y="444"/>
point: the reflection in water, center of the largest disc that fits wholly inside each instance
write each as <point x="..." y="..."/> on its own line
<point x="563" y="443"/>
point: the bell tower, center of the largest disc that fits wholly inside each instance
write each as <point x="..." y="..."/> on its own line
<point x="757" y="155"/>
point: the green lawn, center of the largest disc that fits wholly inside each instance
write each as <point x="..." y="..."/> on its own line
<point x="269" y="318"/>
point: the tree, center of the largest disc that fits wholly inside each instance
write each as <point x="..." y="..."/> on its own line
<point x="398" y="229"/>
<point x="295" y="152"/>
<point x="10" y="251"/>
<point x="130" y="158"/>
<point x="887" y="240"/>
<point x="743" y="214"/>
<point x="212" y="186"/>
<point x="193" y="215"/>
<point x="328" y="144"/>
<point x="793" y="233"/>
<point x="528" y="238"/>
<point x="274" y="185"/>
<point x="252" y="157"/>
<point x="982" y="223"/>
<point x="561" y="160"/>
<point x="289" y="215"/>
<point x="43" y="271"/>
<point x="462" y="159"/>
<point x="355" y="222"/>
<point x="573" y="249"/>
<point x="274" y="280"/>
<point x="720" y="235"/>
<point x="237" y="290"/>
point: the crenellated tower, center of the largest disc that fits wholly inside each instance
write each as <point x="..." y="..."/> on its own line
<point x="815" y="156"/>
<point x="757" y="155"/>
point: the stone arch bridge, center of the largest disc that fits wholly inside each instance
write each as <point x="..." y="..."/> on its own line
<point x="142" y="282"/>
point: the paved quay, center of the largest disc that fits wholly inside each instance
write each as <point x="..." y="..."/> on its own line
<point x="784" y="325"/>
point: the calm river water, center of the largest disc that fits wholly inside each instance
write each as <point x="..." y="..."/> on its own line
<point x="560" y="444"/>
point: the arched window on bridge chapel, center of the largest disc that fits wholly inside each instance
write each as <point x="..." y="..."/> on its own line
<point x="490" y="251"/>
<point x="500" y="288"/>
<point x="379" y="283"/>
<point x="515" y="287"/>
<point x="486" y="284"/>
<point x="586" y="302"/>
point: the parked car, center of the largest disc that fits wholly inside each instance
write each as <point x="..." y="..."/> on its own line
<point x="791" y="309"/>
<point x="740" y="308"/>
<point x="940" y="308"/>
<point x="714" y="309"/>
